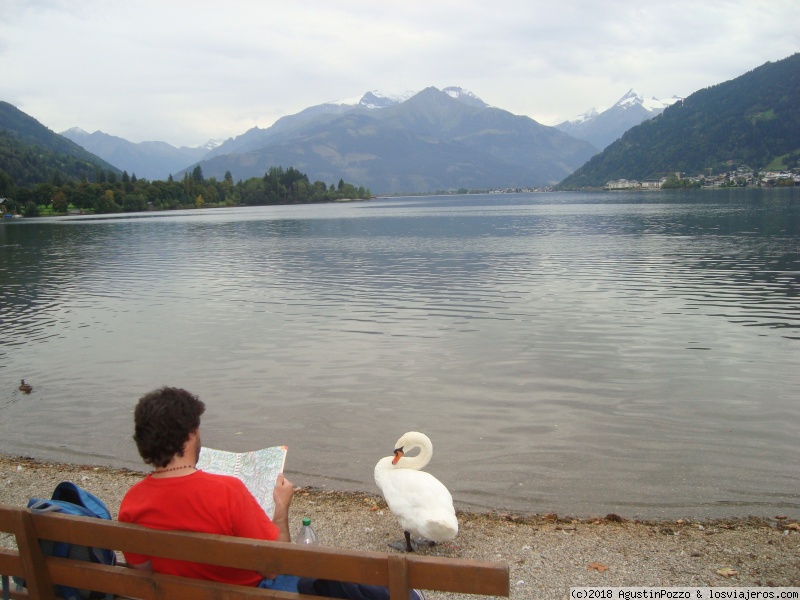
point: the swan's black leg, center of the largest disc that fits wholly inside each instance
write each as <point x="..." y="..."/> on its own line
<point x="409" y="548"/>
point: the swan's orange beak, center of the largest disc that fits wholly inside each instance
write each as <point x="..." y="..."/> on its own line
<point x="398" y="454"/>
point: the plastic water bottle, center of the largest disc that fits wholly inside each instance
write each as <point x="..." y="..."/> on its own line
<point x="307" y="536"/>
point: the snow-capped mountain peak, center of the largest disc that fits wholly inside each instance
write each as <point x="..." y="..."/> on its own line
<point x="75" y="132"/>
<point x="601" y="127"/>
<point x="375" y="99"/>
<point x="379" y="99"/>
<point x="652" y="104"/>
<point x="583" y="117"/>
<point x="211" y="144"/>
<point x="465" y="96"/>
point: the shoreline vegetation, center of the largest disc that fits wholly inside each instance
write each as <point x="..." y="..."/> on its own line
<point x="110" y="194"/>
<point x="547" y="554"/>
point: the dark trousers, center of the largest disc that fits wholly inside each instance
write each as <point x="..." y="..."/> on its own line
<point x="341" y="589"/>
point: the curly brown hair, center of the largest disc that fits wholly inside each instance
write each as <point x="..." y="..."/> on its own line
<point x="163" y="420"/>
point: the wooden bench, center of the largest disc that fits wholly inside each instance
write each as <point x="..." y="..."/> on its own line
<point x="399" y="572"/>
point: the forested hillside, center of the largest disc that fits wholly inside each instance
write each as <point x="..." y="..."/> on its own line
<point x="30" y="153"/>
<point x="42" y="172"/>
<point x="752" y="120"/>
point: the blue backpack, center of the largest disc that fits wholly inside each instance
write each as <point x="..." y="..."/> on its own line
<point x="70" y="499"/>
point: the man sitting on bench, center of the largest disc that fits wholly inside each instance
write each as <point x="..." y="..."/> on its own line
<point x="177" y="496"/>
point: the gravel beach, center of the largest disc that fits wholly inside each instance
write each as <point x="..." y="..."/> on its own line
<point x="547" y="554"/>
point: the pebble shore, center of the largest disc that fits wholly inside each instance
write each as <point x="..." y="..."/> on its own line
<point x="547" y="554"/>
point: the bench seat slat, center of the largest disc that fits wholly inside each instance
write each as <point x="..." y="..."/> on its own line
<point x="144" y="585"/>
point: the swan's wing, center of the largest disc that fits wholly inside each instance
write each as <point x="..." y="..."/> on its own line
<point x="421" y="488"/>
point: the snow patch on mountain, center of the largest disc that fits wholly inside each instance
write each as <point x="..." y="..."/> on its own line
<point x="464" y="96"/>
<point x="652" y="104"/>
<point x="211" y="144"/>
<point x="583" y="117"/>
<point x="75" y="132"/>
<point x="457" y="92"/>
<point x="630" y="100"/>
<point x="375" y="99"/>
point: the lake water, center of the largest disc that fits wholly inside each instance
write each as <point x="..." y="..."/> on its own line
<point x="571" y="353"/>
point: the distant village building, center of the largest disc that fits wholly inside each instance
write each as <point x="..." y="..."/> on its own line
<point x="622" y="184"/>
<point x="632" y="184"/>
<point x="776" y="177"/>
<point x="652" y="184"/>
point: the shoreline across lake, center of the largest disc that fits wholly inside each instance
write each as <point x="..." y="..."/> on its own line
<point x="547" y="554"/>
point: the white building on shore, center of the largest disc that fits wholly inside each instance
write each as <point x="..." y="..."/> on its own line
<point x="632" y="184"/>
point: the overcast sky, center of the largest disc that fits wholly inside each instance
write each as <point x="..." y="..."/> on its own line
<point x="188" y="71"/>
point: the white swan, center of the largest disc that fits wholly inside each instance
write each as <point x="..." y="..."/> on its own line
<point x="421" y="503"/>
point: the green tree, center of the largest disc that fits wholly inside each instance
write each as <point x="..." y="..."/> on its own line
<point x="197" y="174"/>
<point x="60" y="204"/>
<point x="107" y="203"/>
<point x="671" y="183"/>
<point x="31" y="210"/>
<point x="6" y="184"/>
<point x="211" y="196"/>
<point x="134" y="203"/>
<point x="43" y="194"/>
<point x="84" y="199"/>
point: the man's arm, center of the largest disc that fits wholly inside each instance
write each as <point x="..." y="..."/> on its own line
<point x="282" y="494"/>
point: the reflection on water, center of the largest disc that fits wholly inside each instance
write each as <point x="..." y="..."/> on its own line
<point x="585" y="354"/>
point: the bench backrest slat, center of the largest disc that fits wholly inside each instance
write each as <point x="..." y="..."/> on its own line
<point x="10" y="562"/>
<point x="257" y="555"/>
<point x="490" y="579"/>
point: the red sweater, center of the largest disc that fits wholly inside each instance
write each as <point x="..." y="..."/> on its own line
<point x="199" y="502"/>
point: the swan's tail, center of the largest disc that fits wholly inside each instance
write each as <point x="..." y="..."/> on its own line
<point x="441" y="530"/>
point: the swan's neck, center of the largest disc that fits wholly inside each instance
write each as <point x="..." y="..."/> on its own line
<point x="416" y="462"/>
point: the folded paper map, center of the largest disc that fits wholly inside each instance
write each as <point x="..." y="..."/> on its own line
<point x="258" y="470"/>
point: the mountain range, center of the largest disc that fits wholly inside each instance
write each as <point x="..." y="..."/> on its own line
<point x="433" y="140"/>
<point x="407" y="142"/>
<point x="151" y="160"/>
<point x="601" y="128"/>
<point x="752" y="120"/>
<point x="253" y="152"/>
